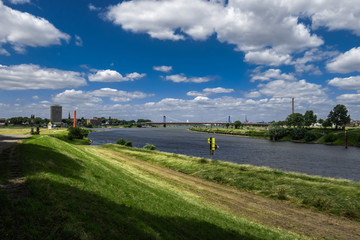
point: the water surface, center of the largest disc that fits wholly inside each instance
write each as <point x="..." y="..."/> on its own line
<point x="314" y="159"/>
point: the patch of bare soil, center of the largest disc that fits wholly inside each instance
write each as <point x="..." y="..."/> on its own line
<point x="15" y="184"/>
<point x="255" y="208"/>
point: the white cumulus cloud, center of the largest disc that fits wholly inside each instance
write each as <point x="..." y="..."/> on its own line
<point x="272" y="74"/>
<point x="163" y="68"/>
<point x="346" y="62"/>
<point x="113" y="76"/>
<point x="350" y="83"/>
<point x="28" y="76"/>
<point x="181" y="78"/>
<point x="20" y="29"/>
<point x="210" y="91"/>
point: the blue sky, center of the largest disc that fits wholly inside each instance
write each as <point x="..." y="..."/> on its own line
<point x="193" y="60"/>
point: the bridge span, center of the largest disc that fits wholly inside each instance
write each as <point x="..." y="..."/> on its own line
<point x="204" y="123"/>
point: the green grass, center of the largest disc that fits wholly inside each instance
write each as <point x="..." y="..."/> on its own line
<point x="339" y="197"/>
<point x="77" y="193"/>
<point x="249" y="131"/>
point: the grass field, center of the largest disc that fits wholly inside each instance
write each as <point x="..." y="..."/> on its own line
<point x="24" y="131"/>
<point x="115" y="192"/>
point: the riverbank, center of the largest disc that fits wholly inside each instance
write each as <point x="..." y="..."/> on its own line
<point x="109" y="191"/>
<point x="297" y="135"/>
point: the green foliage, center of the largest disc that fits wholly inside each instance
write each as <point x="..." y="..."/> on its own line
<point x="326" y="123"/>
<point x="298" y="133"/>
<point x="281" y="194"/>
<point x="237" y="124"/>
<point x="309" y="118"/>
<point x="280" y="132"/>
<point x="309" y="136"/>
<point x="77" y="133"/>
<point x="330" y="137"/>
<point x="149" y="147"/>
<point x="295" y="120"/>
<point x="128" y="144"/>
<point x="338" y="116"/>
<point x="121" y="141"/>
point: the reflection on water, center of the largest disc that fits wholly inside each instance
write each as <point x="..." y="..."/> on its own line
<point x="315" y="159"/>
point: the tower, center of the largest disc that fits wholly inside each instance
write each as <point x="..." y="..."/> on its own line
<point x="56" y="113"/>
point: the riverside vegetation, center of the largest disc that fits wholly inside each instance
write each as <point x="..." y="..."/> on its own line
<point x="113" y="191"/>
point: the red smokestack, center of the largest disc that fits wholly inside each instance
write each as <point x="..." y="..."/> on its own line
<point x="74" y="118"/>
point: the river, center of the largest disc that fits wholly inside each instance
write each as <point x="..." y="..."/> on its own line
<point x="313" y="159"/>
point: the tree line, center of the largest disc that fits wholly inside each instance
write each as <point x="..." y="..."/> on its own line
<point x="337" y="117"/>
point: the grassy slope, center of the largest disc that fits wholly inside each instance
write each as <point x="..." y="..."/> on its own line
<point x="339" y="197"/>
<point x="79" y="194"/>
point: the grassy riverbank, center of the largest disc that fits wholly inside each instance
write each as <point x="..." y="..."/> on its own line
<point x="301" y="135"/>
<point x="75" y="192"/>
<point x="112" y="191"/>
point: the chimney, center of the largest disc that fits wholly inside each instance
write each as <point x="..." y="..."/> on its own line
<point x="293" y="106"/>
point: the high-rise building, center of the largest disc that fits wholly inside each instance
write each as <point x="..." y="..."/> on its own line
<point x="56" y="114"/>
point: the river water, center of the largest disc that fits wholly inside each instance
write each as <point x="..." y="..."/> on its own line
<point x="313" y="159"/>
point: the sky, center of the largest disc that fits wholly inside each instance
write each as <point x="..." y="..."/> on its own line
<point x="188" y="60"/>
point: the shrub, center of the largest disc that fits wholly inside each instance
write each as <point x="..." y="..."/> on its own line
<point x="128" y="144"/>
<point x="298" y="133"/>
<point x="77" y="133"/>
<point x="149" y="147"/>
<point x="309" y="136"/>
<point x="121" y="141"/>
<point x="280" y="132"/>
<point x="330" y="137"/>
<point x="281" y="194"/>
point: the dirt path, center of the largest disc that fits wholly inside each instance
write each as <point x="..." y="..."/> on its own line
<point x="15" y="186"/>
<point x="266" y="211"/>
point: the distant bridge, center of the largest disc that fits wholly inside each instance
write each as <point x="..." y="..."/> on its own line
<point x="177" y="122"/>
<point x="204" y="123"/>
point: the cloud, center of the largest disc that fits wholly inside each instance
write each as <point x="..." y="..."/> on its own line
<point x="350" y="99"/>
<point x="113" y="76"/>
<point x="82" y="97"/>
<point x="346" y="62"/>
<point x="119" y="95"/>
<point x="21" y="30"/>
<point x="28" y="76"/>
<point x="267" y="57"/>
<point x="181" y="78"/>
<point x="19" y="1"/>
<point x="35" y="97"/>
<point x="93" y="8"/>
<point x="78" y="41"/>
<point x="75" y="96"/>
<point x="272" y="74"/>
<point x="249" y="25"/>
<point x="163" y="68"/>
<point x="210" y="91"/>
<point x="309" y="93"/>
<point x="350" y="83"/>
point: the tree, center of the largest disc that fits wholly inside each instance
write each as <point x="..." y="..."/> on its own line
<point x="237" y="124"/>
<point x="339" y="116"/>
<point x="309" y="118"/>
<point x="295" y="119"/>
<point x="326" y="123"/>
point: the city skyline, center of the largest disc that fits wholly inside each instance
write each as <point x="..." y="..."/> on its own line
<point x="190" y="60"/>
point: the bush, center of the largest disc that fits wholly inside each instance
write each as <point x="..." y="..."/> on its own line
<point x="298" y="133"/>
<point x="77" y="133"/>
<point x="149" y="147"/>
<point x="121" y="141"/>
<point x="330" y="137"/>
<point x="128" y="144"/>
<point x="309" y="136"/>
<point x="280" y="132"/>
